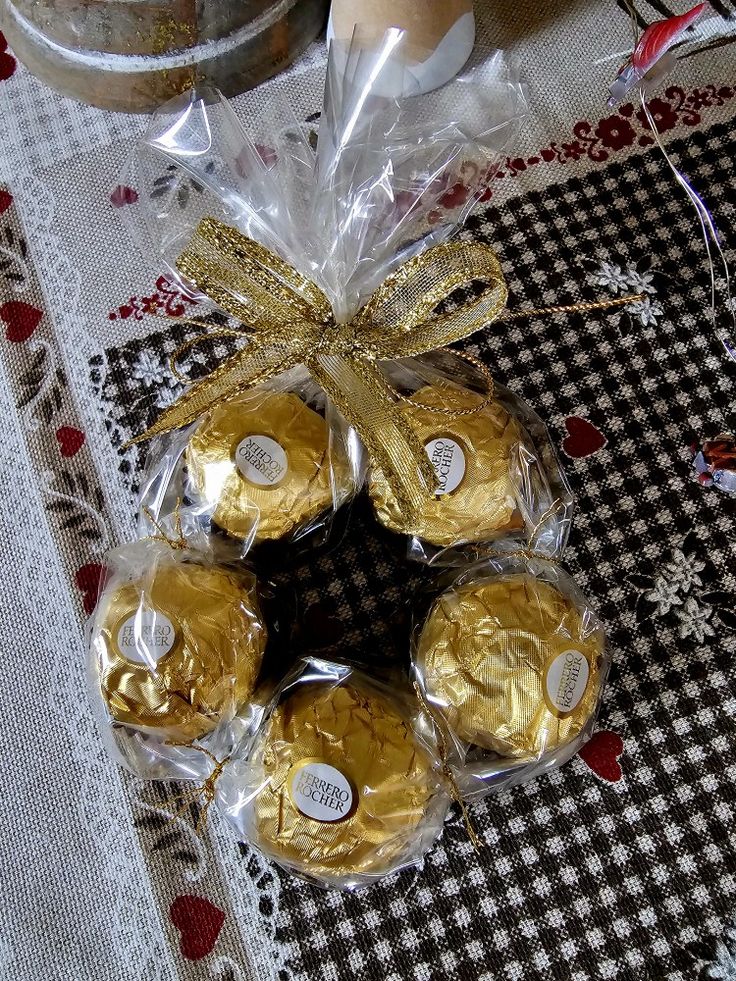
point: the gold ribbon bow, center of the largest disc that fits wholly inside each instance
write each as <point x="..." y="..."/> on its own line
<point x="288" y="322"/>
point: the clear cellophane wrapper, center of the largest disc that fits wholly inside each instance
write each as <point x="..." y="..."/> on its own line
<point x="176" y="645"/>
<point x="342" y="782"/>
<point x="511" y="660"/>
<point x="500" y="482"/>
<point x="378" y="180"/>
<point x="266" y="471"/>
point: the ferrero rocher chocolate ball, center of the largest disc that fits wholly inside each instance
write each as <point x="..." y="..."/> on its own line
<point x="472" y="458"/>
<point x="345" y="783"/>
<point x="265" y="465"/>
<point x="179" y="648"/>
<point x="510" y="663"/>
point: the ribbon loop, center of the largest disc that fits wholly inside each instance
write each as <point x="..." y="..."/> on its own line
<point x="289" y="321"/>
<point x="408" y="297"/>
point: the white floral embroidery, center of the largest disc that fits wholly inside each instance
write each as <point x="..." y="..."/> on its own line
<point x="665" y="594"/>
<point x="168" y="393"/>
<point x="619" y="280"/>
<point x="723" y="967"/>
<point x="149" y="369"/>
<point x="611" y="277"/>
<point x="640" y="282"/>
<point x="694" y="620"/>
<point x="683" y="571"/>
<point x="646" y="310"/>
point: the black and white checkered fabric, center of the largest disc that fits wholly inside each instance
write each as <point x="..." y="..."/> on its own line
<point x="579" y="878"/>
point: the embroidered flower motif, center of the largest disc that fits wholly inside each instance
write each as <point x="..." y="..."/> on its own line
<point x="148" y="369"/>
<point x="646" y="310"/>
<point x="611" y="277"/>
<point x="150" y="304"/>
<point x="694" y="620"/>
<point x="168" y="393"/>
<point x="682" y="571"/>
<point x="663" y="114"/>
<point x="723" y="968"/>
<point x="615" y="132"/>
<point x="640" y="282"/>
<point x="571" y="151"/>
<point x="684" y="592"/>
<point x="618" y="279"/>
<point x="665" y="594"/>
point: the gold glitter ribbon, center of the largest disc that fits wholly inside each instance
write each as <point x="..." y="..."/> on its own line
<point x="288" y="321"/>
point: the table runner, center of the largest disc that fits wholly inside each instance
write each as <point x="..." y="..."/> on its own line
<point x="619" y="865"/>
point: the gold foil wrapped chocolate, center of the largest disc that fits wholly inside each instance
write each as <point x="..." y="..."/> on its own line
<point x="345" y="783"/>
<point x="267" y="466"/>
<point x="512" y="664"/>
<point x="178" y="648"/>
<point x="473" y="458"/>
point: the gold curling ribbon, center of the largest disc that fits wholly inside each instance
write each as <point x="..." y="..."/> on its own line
<point x="447" y="769"/>
<point x="288" y="321"/>
<point x="179" y="542"/>
<point x="204" y="793"/>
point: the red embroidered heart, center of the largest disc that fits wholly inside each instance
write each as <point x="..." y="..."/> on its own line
<point x="602" y="752"/>
<point x="199" y="923"/>
<point x="90" y="579"/>
<point x="8" y="65"/>
<point x="5" y="200"/>
<point x="583" y="439"/>
<point x="71" y="440"/>
<point x="21" y="319"/>
<point x="123" y="195"/>
<point x="457" y="195"/>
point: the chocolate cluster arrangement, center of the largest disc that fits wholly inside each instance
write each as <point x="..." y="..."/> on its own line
<point x="341" y="292"/>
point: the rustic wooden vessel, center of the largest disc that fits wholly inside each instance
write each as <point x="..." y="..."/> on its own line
<point x="132" y="55"/>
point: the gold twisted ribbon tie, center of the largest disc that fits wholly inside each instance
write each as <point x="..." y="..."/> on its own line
<point x="202" y="794"/>
<point x="178" y="542"/>
<point x="447" y="769"/>
<point x="288" y="321"/>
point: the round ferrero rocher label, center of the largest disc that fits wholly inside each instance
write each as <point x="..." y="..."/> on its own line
<point x="261" y="460"/>
<point x="565" y="681"/>
<point x="320" y="791"/>
<point x="448" y="460"/>
<point x="145" y="636"/>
